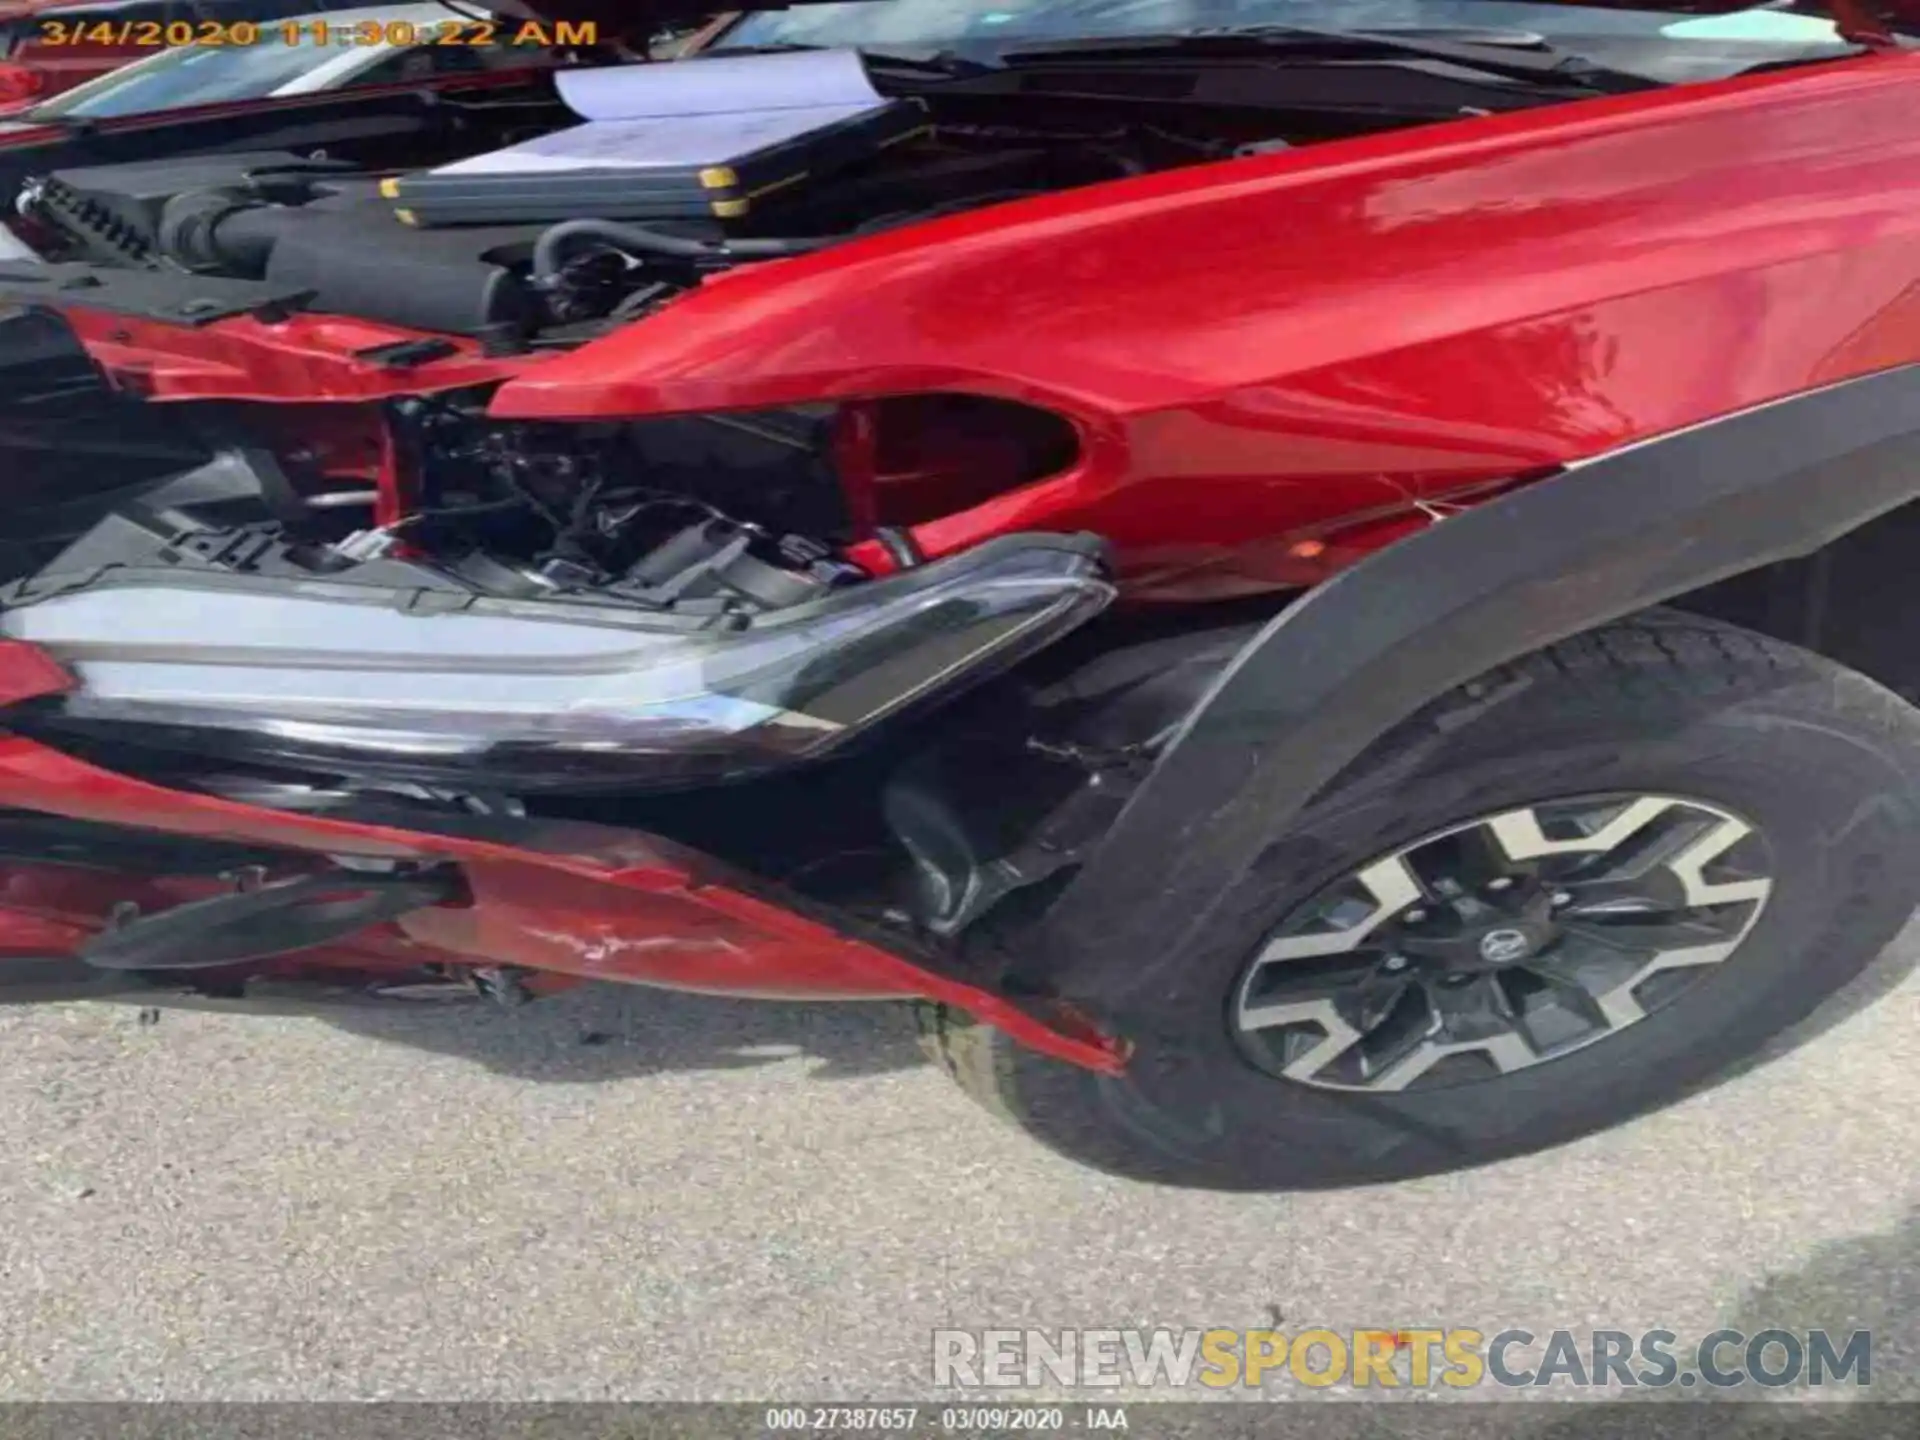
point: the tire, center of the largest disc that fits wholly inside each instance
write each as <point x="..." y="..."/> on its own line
<point x="1822" y="762"/>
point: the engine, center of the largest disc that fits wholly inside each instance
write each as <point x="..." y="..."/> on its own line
<point x="325" y="236"/>
<point x="312" y="232"/>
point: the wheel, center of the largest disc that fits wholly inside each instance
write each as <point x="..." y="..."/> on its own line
<point x="1575" y="889"/>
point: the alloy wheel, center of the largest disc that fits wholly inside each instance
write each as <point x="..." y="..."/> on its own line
<point x="1501" y="943"/>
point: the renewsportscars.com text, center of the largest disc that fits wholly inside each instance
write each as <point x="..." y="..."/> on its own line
<point x="1417" y="1358"/>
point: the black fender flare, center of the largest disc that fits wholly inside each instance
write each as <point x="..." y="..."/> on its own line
<point x="1342" y="666"/>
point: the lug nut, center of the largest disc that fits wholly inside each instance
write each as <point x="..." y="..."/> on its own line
<point x="1562" y="897"/>
<point x="1396" y="962"/>
<point x="1414" y="917"/>
<point x="1500" y="882"/>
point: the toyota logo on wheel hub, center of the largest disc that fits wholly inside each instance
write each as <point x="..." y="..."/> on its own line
<point x="1503" y="947"/>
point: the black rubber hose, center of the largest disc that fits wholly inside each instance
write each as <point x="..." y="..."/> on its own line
<point x="221" y="230"/>
<point x="243" y="238"/>
<point x="549" y="251"/>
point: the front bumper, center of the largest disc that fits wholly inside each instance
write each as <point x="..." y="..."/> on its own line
<point x="558" y="898"/>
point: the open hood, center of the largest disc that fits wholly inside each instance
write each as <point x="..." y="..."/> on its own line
<point x="628" y="17"/>
<point x="615" y="17"/>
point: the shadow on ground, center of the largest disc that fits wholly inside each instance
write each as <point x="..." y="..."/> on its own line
<point x="600" y="1033"/>
<point x="1867" y="1282"/>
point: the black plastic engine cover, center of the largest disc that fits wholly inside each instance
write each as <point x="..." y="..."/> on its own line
<point x="317" y="229"/>
<point x="133" y="195"/>
<point x="362" y="262"/>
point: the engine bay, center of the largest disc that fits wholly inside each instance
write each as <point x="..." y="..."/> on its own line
<point x="412" y="588"/>
<point x="194" y="239"/>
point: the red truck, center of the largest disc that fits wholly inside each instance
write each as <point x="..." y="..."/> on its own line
<point x="1331" y="599"/>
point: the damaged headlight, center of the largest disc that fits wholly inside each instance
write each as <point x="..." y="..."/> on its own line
<point x="439" y="685"/>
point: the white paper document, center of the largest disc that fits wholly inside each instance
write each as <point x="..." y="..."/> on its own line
<point x="689" y="113"/>
<point x="716" y="85"/>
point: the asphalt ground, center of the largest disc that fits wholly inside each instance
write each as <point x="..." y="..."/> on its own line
<point x="626" y="1194"/>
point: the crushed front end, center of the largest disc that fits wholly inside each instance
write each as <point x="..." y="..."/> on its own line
<point x="416" y="701"/>
<point x="354" y="564"/>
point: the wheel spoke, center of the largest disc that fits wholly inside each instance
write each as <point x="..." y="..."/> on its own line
<point x="1578" y="963"/>
<point x="1391" y="886"/>
<point x="1690" y="866"/>
<point x="1655" y="932"/>
<point x="1472" y="1019"/>
<point x="1622" y="1007"/>
<point x="1375" y="1000"/>
<point x="1522" y="838"/>
<point x="1336" y="1035"/>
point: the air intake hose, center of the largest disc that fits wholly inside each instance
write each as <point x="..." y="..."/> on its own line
<point x="231" y="232"/>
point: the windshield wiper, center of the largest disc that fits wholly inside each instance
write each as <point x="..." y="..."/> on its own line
<point x="1477" y="51"/>
<point x="929" y="61"/>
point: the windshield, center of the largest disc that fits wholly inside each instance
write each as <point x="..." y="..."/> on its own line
<point x="319" y="51"/>
<point x="1670" y="45"/>
<point x="190" y="75"/>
